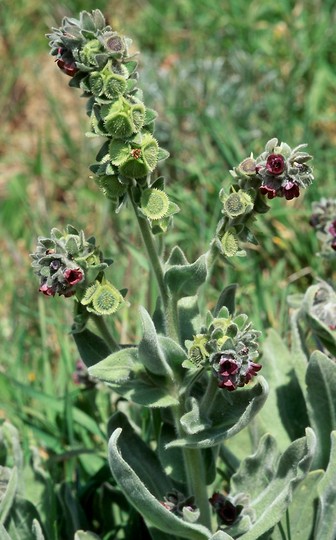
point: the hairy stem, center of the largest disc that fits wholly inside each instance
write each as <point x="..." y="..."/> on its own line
<point x="195" y="473"/>
<point x="105" y="332"/>
<point x="169" y="304"/>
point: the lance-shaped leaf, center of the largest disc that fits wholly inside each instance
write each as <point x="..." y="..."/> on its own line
<point x="321" y="388"/>
<point x="326" y="522"/>
<point x="91" y="347"/>
<point x="8" y="490"/>
<point x="227" y="299"/>
<point x="85" y="535"/>
<point x="302" y="511"/>
<point x="227" y="417"/>
<point x="285" y="415"/>
<point x="269" y="481"/>
<point x="185" y="279"/>
<point x="143" y="499"/>
<point x="123" y="372"/>
<point x="117" y="367"/>
<point x="190" y="320"/>
<point x="139" y="456"/>
<point x="150" y="352"/>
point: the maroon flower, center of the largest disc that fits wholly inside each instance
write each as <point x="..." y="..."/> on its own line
<point x="225" y="509"/>
<point x="46" y="290"/>
<point x="291" y="190"/>
<point x="68" y="67"/>
<point x="275" y="164"/>
<point x="251" y="372"/>
<point x="228" y="368"/>
<point x="73" y="275"/>
<point x="270" y="192"/>
<point x="332" y="228"/>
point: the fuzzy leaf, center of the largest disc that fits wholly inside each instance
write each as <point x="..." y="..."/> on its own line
<point x="326" y="522"/>
<point x="139" y="456"/>
<point x="172" y="458"/>
<point x="9" y="479"/>
<point x="285" y="415"/>
<point x="117" y="367"/>
<point x="85" y="535"/>
<point x="302" y="510"/>
<point x="37" y="530"/>
<point x="189" y="317"/>
<point x="227" y="299"/>
<point x="147" y="390"/>
<point x="282" y="476"/>
<point x="321" y="388"/>
<point x="150" y="351"/>
<point x="91" y="347"/>
<point x="228" y="418"/>
<point x="143" y="499"/>
<point x="221" y="535"/>
<point x="185" y="279"/>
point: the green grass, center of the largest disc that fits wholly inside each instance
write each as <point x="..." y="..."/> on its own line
<point x="225" y="77"/>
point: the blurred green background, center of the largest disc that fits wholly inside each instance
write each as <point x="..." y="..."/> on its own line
<point x="225" y="76"/>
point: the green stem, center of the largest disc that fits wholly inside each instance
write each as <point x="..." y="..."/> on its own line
<point x="209" y="396"/>
<point x="105" y="332"/>
<point x="169" y="304"/>
<point x="195" y="473"/>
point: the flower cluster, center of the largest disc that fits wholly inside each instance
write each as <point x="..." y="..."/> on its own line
<point x="98" y="60"/>
<point x="323" y="220"/>
<point x="181" y="506"/>
<point x="230" y="347"/>
<point x="279" y="171"/>
<point x="68" y="264"/>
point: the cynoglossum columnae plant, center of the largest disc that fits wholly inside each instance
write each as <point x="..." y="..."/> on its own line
<point x="196" y="372"/>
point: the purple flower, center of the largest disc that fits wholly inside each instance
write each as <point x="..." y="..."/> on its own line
<point x="290" y="190"/>
<point x="275" y="164"/>
<point x="73" y="275"/>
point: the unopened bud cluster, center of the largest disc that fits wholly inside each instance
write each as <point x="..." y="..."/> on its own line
<point x="279" y="171"/>
<point x="229" y="346"/>
<point x="323" y="220"/>
<point x="98" y="60"/>
<point x="67" y="264"/>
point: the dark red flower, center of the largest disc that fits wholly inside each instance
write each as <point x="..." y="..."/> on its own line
<point x="332" y="228"/>
<point x="225" y="509"/>
<point x="69" y="68"/>
<point x="228" y="369"/>
<point x="275" y="164"/>
<point x="46" y="290"/>
<point x="270" y="192"/>
<point x="291" y="190"/>
<point x="73" y="275"/>
<point x="251" y="372"/>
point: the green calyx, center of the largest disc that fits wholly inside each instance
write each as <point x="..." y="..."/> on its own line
<point x="123" y="118"/>
<point x="154" y="203"/>
<point x="135" y="158"/>
<point x="102" y="298"/>
<point x="236" y="204"/>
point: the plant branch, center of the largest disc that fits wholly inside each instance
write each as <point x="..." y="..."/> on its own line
<point x="105" y="332"/>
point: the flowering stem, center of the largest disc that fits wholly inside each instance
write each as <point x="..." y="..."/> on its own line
<point x="169" y="304"/>
<point x="209" y="396"/>
<point x="195" y="473"/>
<point x="105" y="332"/>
